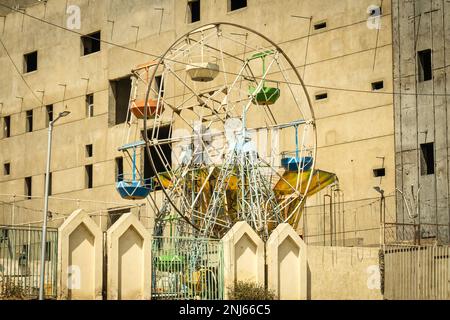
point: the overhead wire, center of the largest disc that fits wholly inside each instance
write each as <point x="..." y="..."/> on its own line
<point x="222" y="71"/>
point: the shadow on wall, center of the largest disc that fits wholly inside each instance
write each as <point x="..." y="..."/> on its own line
<point x="308" y="277"/>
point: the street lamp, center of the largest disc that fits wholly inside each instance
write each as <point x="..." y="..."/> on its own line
<point x="382" y="230"/>
<point x="44" y="225"/>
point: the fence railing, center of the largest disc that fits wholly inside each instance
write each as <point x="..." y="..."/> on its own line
<point x="416" y="272"/>
<point x="187" y="268"/>
<point x="20" y="253"/>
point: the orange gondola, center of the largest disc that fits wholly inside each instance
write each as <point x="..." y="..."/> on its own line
<point x="138" y="108"/>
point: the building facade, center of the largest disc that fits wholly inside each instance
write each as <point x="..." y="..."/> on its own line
<point x="51" y="62"/>
<point x="421" y="36"/>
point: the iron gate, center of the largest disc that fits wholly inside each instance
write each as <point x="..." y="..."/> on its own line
<point x="416" y="272"/>
<point x="187" y="268"/>
<point x="20" y="251"/>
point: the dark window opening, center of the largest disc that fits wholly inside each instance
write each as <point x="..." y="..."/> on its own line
<point x="194" y="10"/>
<point x="28" y="185"/>
<point x="88" y="176"/>
<point x="23" y="256"/>
<point x="90" y="105"/>
<point x="30" y="62"/>
<point x="48" y="251"/>
<point x="115" y="214"/>
<point x="90" y="43"/>
<point x="7" y="126"/>
<point x="119" y="99"/>
<point x="377" y="85"/>
<point x="49" y="183"/>
<point x="236" y="4"/>
<point x="6" y="169"/>
<point x="164" y="152"/>
<point x="29" y="121"/>
<point x="321" y="96"/>
<point x="4" y="234"/>
<point x="427" y="158"/>
<point x="159" y="85"/>
<point x="379" y="172"/>
<point x="49" y="114"/>
<point x="320" y="25"/>
<point x="425" y="68"/>
<point x="89" y="150"/>
<point x="119" y="168"/>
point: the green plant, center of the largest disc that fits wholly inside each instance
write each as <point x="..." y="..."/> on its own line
<point x="12" y="290"/>
<point x="243" y="290"/>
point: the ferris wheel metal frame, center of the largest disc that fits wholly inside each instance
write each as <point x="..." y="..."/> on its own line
<point x="148" y="143"/>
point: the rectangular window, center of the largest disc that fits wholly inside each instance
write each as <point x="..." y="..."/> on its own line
<point x="48" y="115"/>
<point x="88" y="176"/>
<point x="30" y="62"/>
<point x="49" y="183"/>
<point x="6" y="169"/>
<point x="425" y="67"/>
<point x="379" y="172"/>
<point x="119" y="99"/>
<point x="321" y="96"/>
<point x="161" y="156"/>
<point x="29" y="121"/>
<point x="427" y="158"/>
<point x="23" y="257"/>
<point x="159" y="84"/>
<point x="193" y="11"/>
<point x="115" y="214"/>
<point x="28" y="185"/>
<point x="89" y="150"/>
<point x="320" y="25"/>
<point x="7" y="126"/>
<point x="48" y="251"/>
<point x="236" y="4"/>
<point x="90" y="105"/>
<point x="377" y="85"/>
<point x="90" y="43"/>
<point x="119" y="168"/>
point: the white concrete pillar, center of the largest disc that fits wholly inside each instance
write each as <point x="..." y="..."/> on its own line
<point x="129" y="260"/>
<point x="287" y="264"/>
<point x="80" y="251"/>
<point x="243" y="256"/>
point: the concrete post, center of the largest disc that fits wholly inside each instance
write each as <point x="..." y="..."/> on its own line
<point x="243" y="256"/>
<point x="287" y="264"/>
<point x="80" y="252"/>
<point x="129" y="260"/>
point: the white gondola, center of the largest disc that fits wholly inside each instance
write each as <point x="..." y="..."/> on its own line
<point x="202" y="71"/>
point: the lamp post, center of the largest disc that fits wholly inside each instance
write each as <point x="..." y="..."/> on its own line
<point x="44" y="225"/>
<point x="382" y="235"/>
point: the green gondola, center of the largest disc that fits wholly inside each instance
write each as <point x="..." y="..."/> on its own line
<point x="265" y="95"/>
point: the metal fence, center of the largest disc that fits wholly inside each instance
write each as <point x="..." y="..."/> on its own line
<point x="416" y="272"/>
<point x="187" y="268"/>
<point x="20" y="251"/>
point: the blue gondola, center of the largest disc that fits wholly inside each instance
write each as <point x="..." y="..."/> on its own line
<point x="134" y="189"/>
<point x="296" y="163"/>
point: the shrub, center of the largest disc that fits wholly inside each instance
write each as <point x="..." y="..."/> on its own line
<point x="11" y="290"/>
<point x="250" y="291"/>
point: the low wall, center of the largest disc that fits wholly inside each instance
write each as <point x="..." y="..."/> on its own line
<point x="343" y="273"/>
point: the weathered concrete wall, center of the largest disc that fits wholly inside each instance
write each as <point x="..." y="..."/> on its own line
<point x="421" y="113"/>
<point x="343" y="273"/>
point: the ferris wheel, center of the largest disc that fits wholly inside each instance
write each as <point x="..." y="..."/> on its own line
<point x="228" y="128"/>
